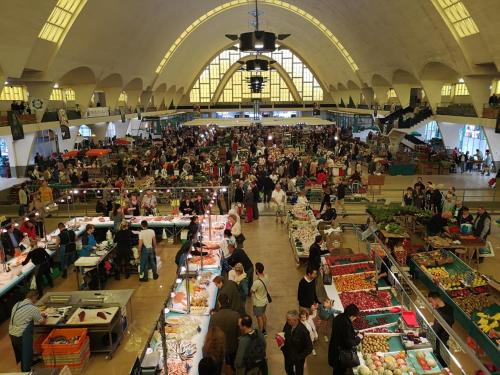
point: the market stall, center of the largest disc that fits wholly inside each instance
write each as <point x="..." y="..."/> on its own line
<point x="302" y="229"/>
<point x="12" y="272"/>
<point x="475" y="303"/>
<point x="72" y="316"/>
<point x="179" y="334"/>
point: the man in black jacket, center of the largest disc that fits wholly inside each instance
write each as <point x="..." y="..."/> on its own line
<point x="341" y="191"/>
<point x="256" y="199"/>
<point x="11" y="240"/>
<point x="306" y="293"/>
<point x="482" y="224"/>
<point x="227" y="320"/>
<point x="315" y="253"/>
<point x="330" y="214"/>
<point x="230" y="289"/>
<point x="297" y="345"/>
<point x="41" y="259"/>
<point x="446" y="312"/>
<point x="343" y="338"/>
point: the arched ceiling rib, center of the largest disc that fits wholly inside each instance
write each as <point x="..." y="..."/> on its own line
<point x="381" y="36"/>
<point x="237" y="3"/>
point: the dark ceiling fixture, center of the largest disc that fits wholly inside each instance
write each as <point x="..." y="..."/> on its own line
<point x="257" y="41"/>
<point x="257" y="65"/>
<point x="256" y="84"/>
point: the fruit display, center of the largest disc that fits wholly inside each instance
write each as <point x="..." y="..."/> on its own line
<point x="334" y="260"/>
<point x="367" y="300"/>
<point x="375" y="344"/>
<point x="438" y="273"/>
<point x="362" y="281"/>
<point x="473" y="303"/>
<point x="458" y="293"/>
<point x="488" y="322"/>
<point x="423" y="362"/>
<point x="347" y="269"/>
<point x="433" y="258"/>
<point x="363" y="323"/>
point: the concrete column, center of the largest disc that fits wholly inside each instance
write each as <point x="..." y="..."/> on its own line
<point x="145" y="98"/>
<point x="42" y="91"/>
<point x="99" y="130"/>
<point x="121" y="128"/>
<point x="133" y="98"/>
<point x="432" y="90"/>
<point x="369" y="94"/>
<point x="403" y="93"/>
<point x="68" y="144"/>
<point x="83" y="94"/>
<point x="479" y="89"/>
<point x="494" y="144"/>
<point x="355" y="95"/>
<point x="20" y="153"/>
<point x="336" y="97"/>
<point x="381" y="94"/>
<point x="112" y="96"/>
<point x="344" y="95"/>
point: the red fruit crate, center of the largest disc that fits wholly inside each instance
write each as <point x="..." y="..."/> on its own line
<point x="65" y="348"/>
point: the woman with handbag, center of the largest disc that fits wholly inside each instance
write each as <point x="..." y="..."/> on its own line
<point x="342" y="355"/>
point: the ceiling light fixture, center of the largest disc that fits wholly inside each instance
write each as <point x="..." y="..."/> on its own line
<point x="257" y="41"/>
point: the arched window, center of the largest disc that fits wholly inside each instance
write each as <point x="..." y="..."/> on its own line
<point x="85" y="131"/>
<point x="299" y="73"/>
<point x="111" y="130"/>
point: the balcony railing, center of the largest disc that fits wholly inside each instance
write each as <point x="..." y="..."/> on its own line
<point x="456" y="109"/>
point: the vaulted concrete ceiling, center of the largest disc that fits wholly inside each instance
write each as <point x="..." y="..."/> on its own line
<point x="128" y="38"/>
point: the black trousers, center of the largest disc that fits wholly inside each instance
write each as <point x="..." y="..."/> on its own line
<point x="43" y="272"/>
<point x="326" y="198"/>
<point x="294" y="366"/>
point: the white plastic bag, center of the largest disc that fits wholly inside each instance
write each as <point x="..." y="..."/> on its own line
<point x="33" y="283"/>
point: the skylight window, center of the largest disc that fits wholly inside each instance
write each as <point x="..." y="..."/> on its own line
<point x="277" y="3"/>
<point x="61" y="18"/>
<point x="459" y="17"/>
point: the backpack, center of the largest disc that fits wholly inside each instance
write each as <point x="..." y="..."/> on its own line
<point x="255" y="353"/>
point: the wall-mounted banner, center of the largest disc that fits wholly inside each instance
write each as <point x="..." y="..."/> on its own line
<point x="16" y="127"/>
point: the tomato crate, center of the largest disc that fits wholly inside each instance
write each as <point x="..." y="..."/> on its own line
<point x="66" y="333"/>
<point x="76" y="368"/>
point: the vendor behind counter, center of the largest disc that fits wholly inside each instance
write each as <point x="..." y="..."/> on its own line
<point x="438" y="224"/>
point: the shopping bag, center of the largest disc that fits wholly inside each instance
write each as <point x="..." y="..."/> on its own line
<point x="164" y="234"/>
<point x="33" y="283"/>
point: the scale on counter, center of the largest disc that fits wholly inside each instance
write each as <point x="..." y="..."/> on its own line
<point x="59" y="298"/>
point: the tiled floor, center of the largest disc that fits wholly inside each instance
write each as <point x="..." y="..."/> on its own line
<point x="268" y="243"/>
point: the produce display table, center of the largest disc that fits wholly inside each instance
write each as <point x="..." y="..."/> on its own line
<point x="172" y="223"/>
<point x="423" y="274"/>
<point x="105" y="331"/>
<point x="302" y="229"/>
<point x="470" y="243"/>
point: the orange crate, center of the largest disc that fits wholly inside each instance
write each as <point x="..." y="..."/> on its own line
<point x="65" y="348"/>
<point x="37" y="343"/>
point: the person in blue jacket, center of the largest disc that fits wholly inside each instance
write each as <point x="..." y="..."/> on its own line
<point x="88" y="241"/>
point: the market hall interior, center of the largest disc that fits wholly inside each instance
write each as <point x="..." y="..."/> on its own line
<point x="349" y="146"/>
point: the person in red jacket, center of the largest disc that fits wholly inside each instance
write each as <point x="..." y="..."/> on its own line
<point x="29" y="228"/>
